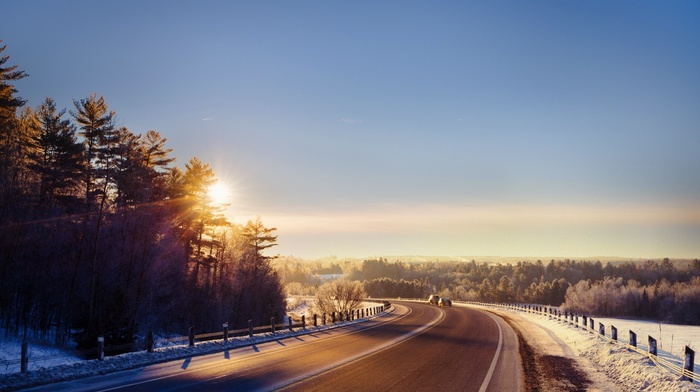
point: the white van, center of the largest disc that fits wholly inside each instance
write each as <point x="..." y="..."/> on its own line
<point x="433" y="299"/>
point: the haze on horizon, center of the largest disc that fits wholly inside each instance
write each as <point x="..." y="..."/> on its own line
<point x="405" y="128"/>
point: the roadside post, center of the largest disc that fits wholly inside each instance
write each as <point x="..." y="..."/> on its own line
<point x="689" y="362"/>
<point x="24" y="362"/>
<point x="101" y="348"/>
<point x="652" y="346"/>
<point x="149" y="342"/>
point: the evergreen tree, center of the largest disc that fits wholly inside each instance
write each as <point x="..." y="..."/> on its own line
<point x="259" y="237"/>
<point x="11" y="141"/>
<point x="97" y="128"/>
<point x="9" y="102"/>
<point x="197" y="218"/>
<point x="59" y="155"/>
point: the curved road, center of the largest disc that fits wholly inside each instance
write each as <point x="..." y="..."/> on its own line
<point x="415" y="347"/>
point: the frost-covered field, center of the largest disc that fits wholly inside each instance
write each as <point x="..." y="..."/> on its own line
<point x="624" y="369"/>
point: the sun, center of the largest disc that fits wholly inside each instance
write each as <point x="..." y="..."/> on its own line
<point x="219" y="193"/>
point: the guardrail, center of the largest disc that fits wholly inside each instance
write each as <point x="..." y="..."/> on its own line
<point x="148" y="343"/>
<point x="685" y="371"/>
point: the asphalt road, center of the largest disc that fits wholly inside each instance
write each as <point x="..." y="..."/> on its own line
<point x="416" y="347"/>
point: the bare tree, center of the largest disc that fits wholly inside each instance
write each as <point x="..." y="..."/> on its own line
<point x="339" y="296"/>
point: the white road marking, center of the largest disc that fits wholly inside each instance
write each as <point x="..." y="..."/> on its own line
<point x="487" y="380"/>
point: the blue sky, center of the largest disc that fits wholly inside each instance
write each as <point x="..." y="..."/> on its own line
<point x="358" y="129"/>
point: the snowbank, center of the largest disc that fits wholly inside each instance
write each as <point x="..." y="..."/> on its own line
<point x="72" y="370"/>
<point x="625" y="369"/>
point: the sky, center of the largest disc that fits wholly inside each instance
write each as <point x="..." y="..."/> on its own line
<point x="388" y="128"/>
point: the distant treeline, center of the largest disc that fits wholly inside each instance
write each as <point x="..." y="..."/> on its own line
<point x="676" y="302"/>
<point x="100" y="235"/>
<point x="662" y="290"/>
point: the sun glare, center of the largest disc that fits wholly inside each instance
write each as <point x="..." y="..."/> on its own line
<point x="219" y="193"/>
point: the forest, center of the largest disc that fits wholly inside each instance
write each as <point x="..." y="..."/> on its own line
<point x="662" y="290"/>
<point x="100" y="235"/>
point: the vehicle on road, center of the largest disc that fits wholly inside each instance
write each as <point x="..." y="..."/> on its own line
<point x="442" y="302"/>
<point x="433" y="299"/>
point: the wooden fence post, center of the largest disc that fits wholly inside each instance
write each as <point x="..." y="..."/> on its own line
<point x="191" y="336"/>
<point x="613" y="332"/>
<point x="324" y="319"/>
<point x="149" y="342"/>
<point x="601" y="329"/>
<point x="290" y="324"/>
<point x="303" y="322"/>
<point x="315" y="320"/>
<point x="24" y="361"/>
<point x="652" y="346"/>
<point x="250" y="329"/>
<point x="633" y="339"/>
<point x="101" y="348"/>
<point x="272" y="325"/>
<point x="689" y="364"/>
<point x="225" y="332"/>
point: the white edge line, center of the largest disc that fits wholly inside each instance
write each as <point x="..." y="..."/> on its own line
<point x="487" y="379"/>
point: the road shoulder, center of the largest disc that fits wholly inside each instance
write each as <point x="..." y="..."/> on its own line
<point x="550" y="364"/>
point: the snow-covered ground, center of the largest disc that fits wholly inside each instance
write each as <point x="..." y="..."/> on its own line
<point x="615" y="366"/>
<point x="51" y="364"/>
<point x="611" y="366"/>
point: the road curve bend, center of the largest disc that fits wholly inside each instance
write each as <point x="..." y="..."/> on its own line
<point x="416" y="347"/>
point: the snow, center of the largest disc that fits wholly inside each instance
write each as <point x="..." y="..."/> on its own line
<point x="614" y="366"/>
<point x="47" y="364"/>
<point x="611" y="366"/>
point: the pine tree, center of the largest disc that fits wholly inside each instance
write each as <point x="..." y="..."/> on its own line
<point x="9" y="103"/>
<point x="59" y="155"/>
<point x="97" y="128"/>
<point x="259" y="237"/>
<point x="11" y="139"/>
<point x="197" y="217"/>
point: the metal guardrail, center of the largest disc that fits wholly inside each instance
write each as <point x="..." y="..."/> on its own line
<point x="185" y="340"/>
<point x="660" y="361"/>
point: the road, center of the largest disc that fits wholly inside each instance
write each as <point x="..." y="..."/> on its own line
<point x="416" y="347"/>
